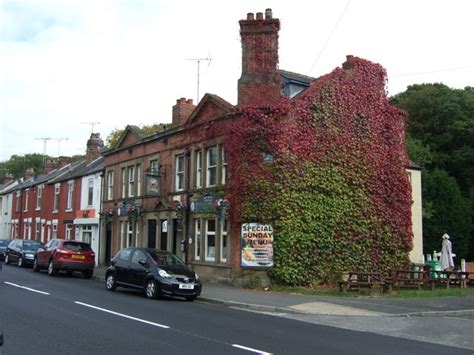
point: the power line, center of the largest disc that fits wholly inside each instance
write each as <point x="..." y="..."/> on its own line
<point x="330" y="36"/>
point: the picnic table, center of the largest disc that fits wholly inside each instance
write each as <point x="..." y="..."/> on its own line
<point x="362" y="281"/>
<point x="408" y="278"/>
<point x="445" y="277"/>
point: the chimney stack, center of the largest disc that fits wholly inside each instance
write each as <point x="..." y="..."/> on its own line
<point x="260" y="82"/>
<point x="94" y="147"/>
<point x="63" y="161"/>
<point x="7" y="178"/>
<point x="29" y="173"/>
<point x="49" y="166"/>
<point x="181" y="111"/>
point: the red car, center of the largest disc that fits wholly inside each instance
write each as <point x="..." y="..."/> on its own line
<point x="65" y="255"/>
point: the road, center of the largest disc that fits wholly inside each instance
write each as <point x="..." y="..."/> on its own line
<point x="40" y="314"/>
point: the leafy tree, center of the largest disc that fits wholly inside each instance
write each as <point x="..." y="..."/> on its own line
<point x="116" y="133"/>
<point x="443" y="120"/>
<point x="418" y="152"/>
<point x="449" y="213"/>
<point x="17" y="164"/>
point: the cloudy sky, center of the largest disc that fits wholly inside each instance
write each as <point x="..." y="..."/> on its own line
<point x="67" y="63"/>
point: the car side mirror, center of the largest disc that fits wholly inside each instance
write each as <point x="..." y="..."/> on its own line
<point x="144" y="263"/>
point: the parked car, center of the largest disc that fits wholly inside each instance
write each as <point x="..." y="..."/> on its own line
<point x="65" y="255"/>
<point x="154" y="271"/>
<point x="21" y="251"/>
<point x="3" y="246"/>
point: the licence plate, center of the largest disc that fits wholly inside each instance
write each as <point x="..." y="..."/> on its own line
<point x="186" y="286"/>
<point x="78" y="257"/>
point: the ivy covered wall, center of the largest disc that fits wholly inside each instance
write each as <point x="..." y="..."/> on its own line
<point x="327" y="169"/>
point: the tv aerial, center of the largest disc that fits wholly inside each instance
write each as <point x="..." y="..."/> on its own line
<point x="198" y="61"/>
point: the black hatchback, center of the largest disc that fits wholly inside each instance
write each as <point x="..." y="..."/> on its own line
<point x="154" y="271"/>
<point x="21" y="251"/>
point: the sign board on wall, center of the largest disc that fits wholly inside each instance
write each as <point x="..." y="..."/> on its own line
<point x="152" y="185"/>
<point x="256" y="245"/>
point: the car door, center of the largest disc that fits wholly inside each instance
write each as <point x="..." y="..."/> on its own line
<point x="122" y="263"/>
<point x="14" y="252"/>
<point x="43" y="255"/>
<point x="138" y="271"/>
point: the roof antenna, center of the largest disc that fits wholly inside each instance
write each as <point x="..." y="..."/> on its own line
<point x="92" y="124"/>
<point x="199" y="60"/>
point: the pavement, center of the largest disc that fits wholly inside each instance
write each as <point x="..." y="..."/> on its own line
<point x="289" y="303"/>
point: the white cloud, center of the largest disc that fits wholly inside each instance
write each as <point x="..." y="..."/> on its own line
<point x="124" y="62"/>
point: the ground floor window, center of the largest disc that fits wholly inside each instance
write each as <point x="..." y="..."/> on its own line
<point x="123" y="237"/>
<point x="211" y="240"/>
<point x="55" y="230"/>
<point x="38" y="230"/>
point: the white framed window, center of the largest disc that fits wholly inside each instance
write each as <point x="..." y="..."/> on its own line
<point x="210" y="240"/>
<point x="139" y="180"/>
<point x="154" y="167"/>
<point x="198" y="169"/>
<point x="197" y="239"/>
<point x="27" y="199"/>
<point x="39" y="196"/>
<point x="90" y="192"/>
<point x="70" y="191"/>
<point x="55" y="229"/>
<point x="25" y="230"/>
<point x="18" y="200"/>
<point x="223" y="167"/>
<point x="38" y="230"/>
<point x="211" y="163"/>
<point x="131" y="181"/>
<point x="43" y="234"/>
<point x="57" y="189"/>
<point x="68" y="231"/>
<point x="137" y="234"/>
<point x="123" y="177"/>
<point x="179" y="175"/>
<point x="110" y="185"/>
<point x="223" y="241"/>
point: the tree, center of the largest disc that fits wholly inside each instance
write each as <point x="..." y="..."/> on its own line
<point x="449" y="213"/>
<point x="443" y="120"/>
<point x="114" y="136"/>
<point x="17" y="164"/>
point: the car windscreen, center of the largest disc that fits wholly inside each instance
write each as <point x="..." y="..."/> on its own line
<point x="31" y="245"/>
<point x="4" y="242"/>
<point x="167" y="259"/>
<point x="76" y="246"/>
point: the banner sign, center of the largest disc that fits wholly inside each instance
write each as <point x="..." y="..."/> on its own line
<point x="203" y="204"/>
<point x="256" y="243"/>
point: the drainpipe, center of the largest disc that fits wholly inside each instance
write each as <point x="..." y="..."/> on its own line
<point x="188" y="198"/>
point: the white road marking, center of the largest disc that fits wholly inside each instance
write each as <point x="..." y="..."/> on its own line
<point x="251" y="349"/>
<point x="122" y="315"/>
<point x="27" y="288"/>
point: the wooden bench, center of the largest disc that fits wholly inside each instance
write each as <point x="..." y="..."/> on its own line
<point x="362" y="281"/>
<point x="447" y="278"/>
<point x="408" y="278"/>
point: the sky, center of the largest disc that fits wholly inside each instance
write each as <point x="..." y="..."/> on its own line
<point x="68" y="67"/>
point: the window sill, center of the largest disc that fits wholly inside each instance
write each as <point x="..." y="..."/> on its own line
<point x="68" y="210"/>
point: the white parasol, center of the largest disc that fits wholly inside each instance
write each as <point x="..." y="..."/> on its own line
<point x="447" y="253"/>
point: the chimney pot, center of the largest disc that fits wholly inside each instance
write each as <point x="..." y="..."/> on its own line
<point x="268" y="14"/>
<point x="189" y="101"/>
<point x="259" y="16"/>
<point x="250" y="16"/>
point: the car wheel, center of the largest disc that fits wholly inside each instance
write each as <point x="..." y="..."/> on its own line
<point x="151" y="289"/>
<point x="7" y="259"/>
<point x="110" y="284"/>
<point x="191" y="298"/>
<point x="88" y="274"/>
<point x="20" y="262"/>
<point x="35" y="265"/>
<point x="51" y="269"/>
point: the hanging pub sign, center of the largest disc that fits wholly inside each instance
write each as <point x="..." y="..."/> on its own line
<point x="152" y="185"/>
<point x="256" y="244"/>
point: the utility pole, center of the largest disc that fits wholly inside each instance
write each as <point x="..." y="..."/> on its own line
<point x="199" y="60"/>
<point x="92" y="124"/>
